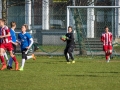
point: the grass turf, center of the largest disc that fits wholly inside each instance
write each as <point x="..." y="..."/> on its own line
<point x="54" y="74"/>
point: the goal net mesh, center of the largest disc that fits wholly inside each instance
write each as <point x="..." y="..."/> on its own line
<point x="88" y="24"/>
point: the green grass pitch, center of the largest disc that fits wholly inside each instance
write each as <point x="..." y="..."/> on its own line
<point x="54" y="74"/>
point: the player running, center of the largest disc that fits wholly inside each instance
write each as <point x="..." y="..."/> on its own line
<point x="14" y="43"/>
<point x="26" y="42"/>
<point x="69" y="46"/>
<point x="106" y="38"/>
<point x="6" y="45"/>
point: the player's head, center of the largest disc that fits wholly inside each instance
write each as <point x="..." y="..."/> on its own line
<point x="24" y="27"/>
<point x="106" y="28"/>
<point x="2" y="22"/>
<point x="13" y="24"/>
<point x="69" y="29"/>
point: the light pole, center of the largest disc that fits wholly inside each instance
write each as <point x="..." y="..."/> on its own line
<point x="45" y="14"/>
<point x="73" y="2"/>
<point x="28" y="13"/>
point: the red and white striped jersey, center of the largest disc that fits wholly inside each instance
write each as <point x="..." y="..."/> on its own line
<point x="106" y="38"/>
<point x="4" y="31"/>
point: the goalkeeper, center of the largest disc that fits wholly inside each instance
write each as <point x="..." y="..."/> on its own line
<point x="70" y="44"/>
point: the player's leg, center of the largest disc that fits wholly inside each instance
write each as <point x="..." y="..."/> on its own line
<point x="106" y="55"/>
<point x="11" y="60"/>
<point x="109" y="51"/>
<point x="15" y="60"/>
<point x="10" y="63"/>
<point x="2" y="59"/>
<point x="6" y="57"/>
<point x="70" y="50"/>
<point x="24" y="57"/>
<point x="105" y="49"/>
<point x="66" y="56"/>
<point x="31" y="56"/>
<point x="9" y="48"/>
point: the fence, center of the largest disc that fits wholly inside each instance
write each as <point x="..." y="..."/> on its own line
<point x="89" y="22"/>
<point x="48" y="40"/>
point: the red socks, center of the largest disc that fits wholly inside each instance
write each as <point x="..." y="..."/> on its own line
<point x="107" y="55"/>
<point x="2" y="60"/>
<point x="15" y="60"/>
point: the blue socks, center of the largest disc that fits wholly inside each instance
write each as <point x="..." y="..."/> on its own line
<point x="10" y="62"/>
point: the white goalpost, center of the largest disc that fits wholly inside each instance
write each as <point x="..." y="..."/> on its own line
<point x="92" y="17"/>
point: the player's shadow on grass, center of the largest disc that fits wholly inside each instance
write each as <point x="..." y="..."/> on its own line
<point x="50" y="62"/>
<point x="104" y="72"/>
<point x="88" y="75"/>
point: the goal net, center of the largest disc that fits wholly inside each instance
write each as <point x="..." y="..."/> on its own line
<point x="88" y="24"/>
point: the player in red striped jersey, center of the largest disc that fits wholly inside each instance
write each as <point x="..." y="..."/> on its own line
<point x="106" y="38"/>
<point x="6" y="44"/>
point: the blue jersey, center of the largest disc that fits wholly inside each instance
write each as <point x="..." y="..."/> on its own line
<point x="24" y="39"/>
<point x="13" y="36"/>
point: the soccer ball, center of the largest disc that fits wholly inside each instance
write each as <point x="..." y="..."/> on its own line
<point x="63" y="37"/>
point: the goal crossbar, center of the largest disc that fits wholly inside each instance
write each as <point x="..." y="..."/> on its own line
<point x="93" y="6"/>
<point x="68" y="8"/>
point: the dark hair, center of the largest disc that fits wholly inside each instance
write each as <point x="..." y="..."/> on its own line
<point x="2" y="20"/>
<point x="105" y="27"/>
<point x="12" y="24"/>
<point x="70" y="27"/>
<point x="26" y="26"/>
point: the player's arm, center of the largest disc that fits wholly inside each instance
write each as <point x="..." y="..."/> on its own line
<point x="111" y="37"/>
<point x="31" y="42"/>
<point x="102" y="38"/>
<point x="13" y="35"/>
<point x="19" y="40"/>
<point x="15" y="43"/>
<point x="71" y="37"/>
<point x="7" y="35"/>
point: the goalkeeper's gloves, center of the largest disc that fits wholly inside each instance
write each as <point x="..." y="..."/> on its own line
<point x="67" y="38"/>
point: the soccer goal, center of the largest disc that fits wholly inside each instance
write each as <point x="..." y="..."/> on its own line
<point x="88" y="24"/>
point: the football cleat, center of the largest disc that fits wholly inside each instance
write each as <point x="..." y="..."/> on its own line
<point x="68" y="62"/>
<point x="9" y="67"/>
<point x="73" y="61"/>
<point x="21" y="69"/>
<point x="33" y="57"/>
<point x="3" y="67"/>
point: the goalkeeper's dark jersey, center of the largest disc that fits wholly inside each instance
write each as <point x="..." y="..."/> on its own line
<point x="70" y="39"/>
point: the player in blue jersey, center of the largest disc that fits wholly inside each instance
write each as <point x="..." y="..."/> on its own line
<point x="14" y="43"/>
<point x="25" y="40"/>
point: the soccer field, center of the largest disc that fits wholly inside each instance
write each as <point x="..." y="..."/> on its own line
<point x="54" y="74"/>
